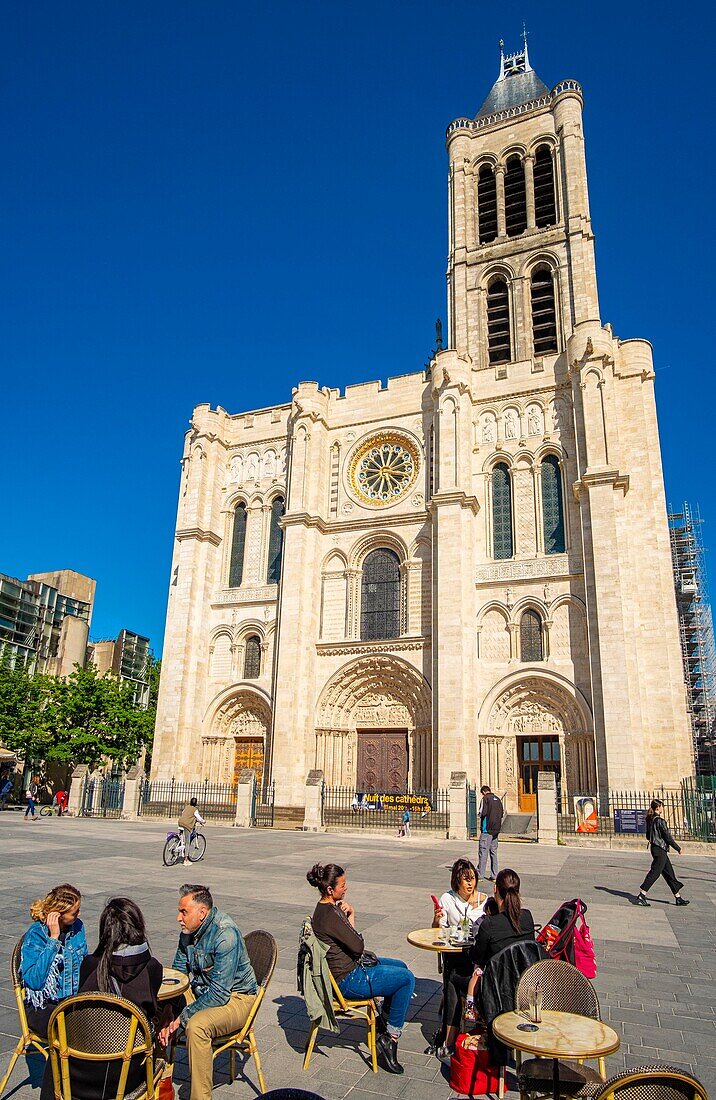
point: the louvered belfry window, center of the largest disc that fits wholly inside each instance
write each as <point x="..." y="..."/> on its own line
<point x="544" y="316"/>
<point x="515" y="197"/>
<point x="487" y="204"/>
<point x="501" y="512"/>
<point x="252" y="658"/>
<point x="238" y="544"/>
<point x="552" y="506"/>
<point x="273" y="574"/>
<point x="380" y="596"/>
<point x="530" y="637"/>
<point x="545" y="205"/>
<point x="499" y="344"/>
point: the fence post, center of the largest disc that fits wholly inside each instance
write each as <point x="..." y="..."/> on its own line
<point x="245" y="792"/>
<point x="77" y="782"/>
<point x="313" y="814"/>
<point x="547" y="808"/>
<point x="132" y="793"/>
<point x="457" y="806"/>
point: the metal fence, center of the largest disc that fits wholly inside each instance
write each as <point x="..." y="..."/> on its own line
<point x="690" y="812"/>
<point x="262" y="807"/>
<point x="343" y="806"/>
<point x="102" y="796"/>
<point x="167" y="798"/>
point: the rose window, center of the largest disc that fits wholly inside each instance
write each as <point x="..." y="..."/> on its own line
<point x="383" y="469"/>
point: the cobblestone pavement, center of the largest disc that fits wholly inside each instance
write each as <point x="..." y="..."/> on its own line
<point x="656" y="966"/>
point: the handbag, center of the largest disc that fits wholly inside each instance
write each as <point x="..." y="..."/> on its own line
<point x="368" y="958"/>
<point x="471" y="1071"/>
<point x="583" y="944"/>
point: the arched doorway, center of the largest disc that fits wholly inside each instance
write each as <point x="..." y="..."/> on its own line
<point x="373" y="727"/>
<point x="237" y="726"/>
<point x="536" y="723"/>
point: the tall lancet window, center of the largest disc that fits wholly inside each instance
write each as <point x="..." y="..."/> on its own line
<point x="380" y="596"/>
<point x="552" y="506"/>
<point x="545" y="204"/>
<point x="252" y="658"/>
<point x="515" y="197"/>
<point x="544" y="315"/>
<point x="487" y="204"/>
<point x="273" y="574"/>
<point x="238" y="545"/>
<point x="501" y="512"/>
<point x="531" y="637"/>
<point x="499" y="344"/>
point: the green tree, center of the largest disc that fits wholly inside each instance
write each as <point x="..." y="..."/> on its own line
<point x="98" y="720"/>
<point x="28" y="710"/>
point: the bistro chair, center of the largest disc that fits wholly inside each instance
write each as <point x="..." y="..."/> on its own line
<point x="263" y="953"/>
<point x="654" y="1082"/>
<point x="564" y="989"/>
<point x="101" y="1028"/>
<point x="352" y="1010"/>
<point x="28" y="1039"/>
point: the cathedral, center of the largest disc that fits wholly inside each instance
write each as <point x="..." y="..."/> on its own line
<point x="467" y="569"/>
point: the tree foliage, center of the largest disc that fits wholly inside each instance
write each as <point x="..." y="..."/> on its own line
<point x="82" y="719"/>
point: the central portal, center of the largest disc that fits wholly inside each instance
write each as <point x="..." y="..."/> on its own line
<point x="382" y="761"/>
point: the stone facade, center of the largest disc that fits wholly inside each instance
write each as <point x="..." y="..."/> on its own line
<point x="534" y="620"/>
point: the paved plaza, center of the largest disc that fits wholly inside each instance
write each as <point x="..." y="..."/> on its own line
<point x="656" y="966"/>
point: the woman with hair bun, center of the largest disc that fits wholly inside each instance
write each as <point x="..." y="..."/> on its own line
<point x="52" y="951"/>
<point x="510" y="925"/>
<point x="356" y="975"/>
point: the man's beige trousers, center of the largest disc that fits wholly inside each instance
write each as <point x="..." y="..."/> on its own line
<point x="205" y="1026"/>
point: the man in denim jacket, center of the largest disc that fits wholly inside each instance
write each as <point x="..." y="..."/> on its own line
<point x="213" y="953"/>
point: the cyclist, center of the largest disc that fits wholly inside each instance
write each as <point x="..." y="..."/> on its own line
<point x="187" y="823"/>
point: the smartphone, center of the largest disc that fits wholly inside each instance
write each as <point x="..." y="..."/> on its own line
<point x="435" y="901"/>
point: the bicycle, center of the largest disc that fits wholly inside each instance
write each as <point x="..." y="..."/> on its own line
<point x="174" y="851"/>
<point x="49" y="811"/>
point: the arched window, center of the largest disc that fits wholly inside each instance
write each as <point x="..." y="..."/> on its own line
<point x="487" y="204"/>
<point x="499" y="345"/>
<point x="380" y="596"/>
<point x="552" y="506"/>
<point x="252" y="658"/>
<point x="545" y="205"/>
<point x="273" y="574"/>
<point x="238" y="544"/>
<point x="531" y="637"/>
<point x="515" y="197"/>
<point x="501" y="512"/>
<point x="544" y="316"/>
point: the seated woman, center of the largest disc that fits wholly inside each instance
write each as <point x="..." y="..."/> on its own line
<point x="460" y="901"/>
<point x="510" y="925"/>
<point x="52" y="950"/>
<point x="334" y="924"/>
<point x="121" y="964"/>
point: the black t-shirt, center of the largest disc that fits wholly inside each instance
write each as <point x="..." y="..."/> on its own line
<point x="497" y="932"/>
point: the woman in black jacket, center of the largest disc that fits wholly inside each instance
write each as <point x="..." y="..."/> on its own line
<point x="660" y="840"/>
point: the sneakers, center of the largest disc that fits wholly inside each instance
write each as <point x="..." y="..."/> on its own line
<point x="444" y="1054"/>
<point x="681" y="901"/>
<point x="470" y="1013"/>
<point x="641" y="900"/>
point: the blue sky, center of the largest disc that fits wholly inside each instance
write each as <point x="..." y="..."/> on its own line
<point x="210" y="200"/>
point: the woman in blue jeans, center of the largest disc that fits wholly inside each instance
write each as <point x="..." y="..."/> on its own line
<point x="334" y="924"/>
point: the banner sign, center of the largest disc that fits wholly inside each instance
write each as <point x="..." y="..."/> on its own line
<point x="585" y="814"/>
<point x="630" y="821"/>
<point x="415" y="803"/>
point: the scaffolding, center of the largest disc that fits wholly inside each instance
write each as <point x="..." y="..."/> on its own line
<point x="696" y="632"/>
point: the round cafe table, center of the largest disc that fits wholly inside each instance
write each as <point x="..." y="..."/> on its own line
<point x="557" y="1035"/>
<point x="174" y="984"/>
<point x="434" y="939"/>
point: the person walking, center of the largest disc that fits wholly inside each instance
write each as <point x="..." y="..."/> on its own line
<point x="405" y="823"/>
<point x="31" y="796"/>
<point x="491" y="814"/>
<point x="660" y="840"/>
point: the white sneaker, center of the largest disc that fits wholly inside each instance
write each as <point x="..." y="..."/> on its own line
<point x="444" y="1054"/>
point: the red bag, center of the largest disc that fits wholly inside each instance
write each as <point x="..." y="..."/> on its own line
<point x="584" y="958"/>
<point x="470" y="1070"/>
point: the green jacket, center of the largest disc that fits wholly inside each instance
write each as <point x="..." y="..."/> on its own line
<point x="314" y="979"/>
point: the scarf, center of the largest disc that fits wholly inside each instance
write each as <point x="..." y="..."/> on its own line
<point x="52" y="989"/>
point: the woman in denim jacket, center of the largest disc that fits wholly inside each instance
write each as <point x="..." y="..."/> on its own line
<point x="52" y="950"/>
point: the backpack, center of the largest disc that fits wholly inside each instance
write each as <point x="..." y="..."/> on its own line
<point x="566" y="936"/>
